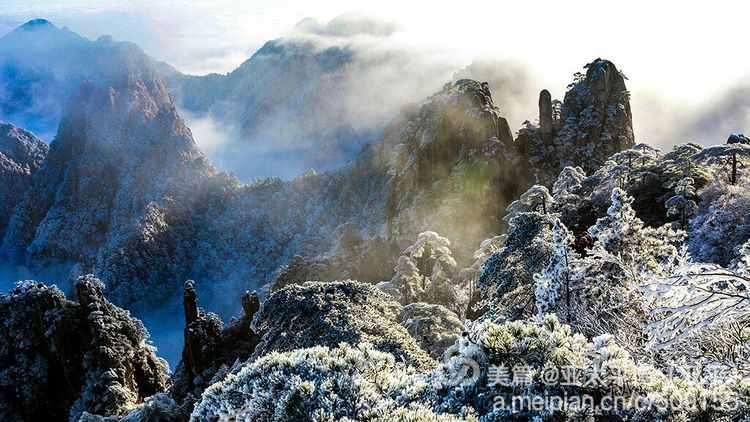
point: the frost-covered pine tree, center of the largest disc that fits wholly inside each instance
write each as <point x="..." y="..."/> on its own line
<point x="469" y="276"/>
<point x="537" y="198"/>
<point x="486" y="249"/>
<point x="569" y="178"/>
<point x="611" y="175"/>
<point x="619" y="224"/>
<point x="408" y="281"/>
<point x="624" y="255"/>
<point x="622" y="239"/>
<point x="554" y="282"/>
<point x="683" y="204"/>
<point x="424" y="272"/>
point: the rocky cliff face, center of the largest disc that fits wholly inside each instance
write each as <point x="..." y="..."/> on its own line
<point x="61" y="358"/>
<point x="21" y="155"/>
<point x="593" y="122"/>
<point x="352" y="222"/>
<point x="455" y="149"/>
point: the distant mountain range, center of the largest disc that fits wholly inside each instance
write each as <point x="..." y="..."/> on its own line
<point x="295" y="100"/>
<point x="41" y="66"/>
<point x="290" y="99"/>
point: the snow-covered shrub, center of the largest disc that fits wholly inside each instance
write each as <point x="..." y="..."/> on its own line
<point x="470" y="295"/>
<point x="623" y="240"/>
<point x="701" y="313"/>
<point x="319" y="383"/>
<point x="433" y="326"/>
<point x="682" y="204"/>
<point x="544" y="358"/>
<point x="554" y="282"/>
<point x="608" y="279"/>
<point x="569" y="178"/>
<point x="326" y="314"/>
<point x="681" y="162"/>
<point x="157" y="408"/>
<point x="407" y="280"/>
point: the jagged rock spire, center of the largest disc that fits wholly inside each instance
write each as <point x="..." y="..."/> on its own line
<point x="595" y="122"/>
<point x="250" y="304"/>
<point x="190" y="302"/>
<point x="545" y="115"/>
<point x="210" y="347"/>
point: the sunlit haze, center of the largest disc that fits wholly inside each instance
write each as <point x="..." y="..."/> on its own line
<point x="678" y="56"/>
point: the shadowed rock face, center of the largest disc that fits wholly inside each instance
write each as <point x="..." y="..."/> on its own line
<point x="61" y="358"/>
<point x="453" y="150"/>
<point x="21" y="155"/>
<point x="601" y="104"/>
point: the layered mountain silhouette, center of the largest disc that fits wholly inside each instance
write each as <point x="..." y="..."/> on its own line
<point x="313" y="98"/>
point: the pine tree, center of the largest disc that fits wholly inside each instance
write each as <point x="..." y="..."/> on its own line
<point x="536" y="199"/>
<point x="683" y="204"/>
<point x="425" y="271"/>
<point x="622" y="239"/>
<point x="569" y="177"/>
<point x="555" y="280"/>
<point x="696" y="297"/>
